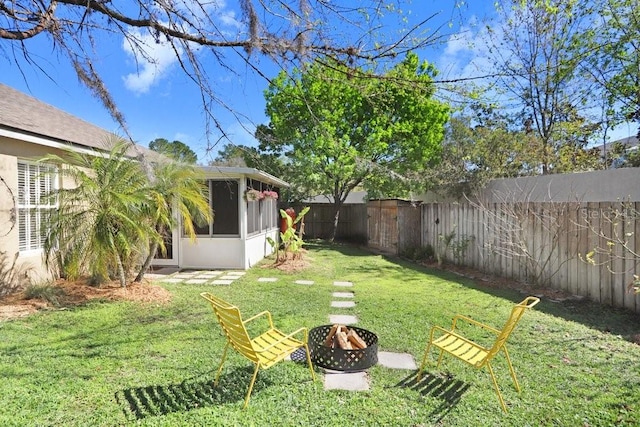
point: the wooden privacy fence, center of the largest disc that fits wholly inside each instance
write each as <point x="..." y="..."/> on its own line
<point x="394" y="225"/>
<point x="543" y="243"/>
<point x="352" y="226"/>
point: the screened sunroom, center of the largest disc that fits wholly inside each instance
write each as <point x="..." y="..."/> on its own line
<point x="244" y="202"/>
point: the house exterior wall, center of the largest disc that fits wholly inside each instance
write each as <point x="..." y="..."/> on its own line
<point x="11" y="151"/>
<point x="8" y="208"/>
<point x="257" y="247"/>
<point x="212" y="252"/>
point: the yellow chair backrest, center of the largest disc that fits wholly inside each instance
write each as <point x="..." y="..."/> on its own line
<point x="231" y="323"/>
<point x="516" y="313"/>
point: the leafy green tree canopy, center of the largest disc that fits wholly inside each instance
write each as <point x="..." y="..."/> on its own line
<point x="242" y="155"/>
<point x="177" y="150"/>
<point x="341" y="126"/>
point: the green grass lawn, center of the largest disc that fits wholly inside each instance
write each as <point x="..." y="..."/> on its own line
<point x="111" y="364"/>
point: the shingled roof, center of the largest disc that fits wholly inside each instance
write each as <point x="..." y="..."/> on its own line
<point x="25" y="114"/>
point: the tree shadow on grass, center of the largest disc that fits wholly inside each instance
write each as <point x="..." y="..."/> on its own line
<point x="444" y="388"/>
<point x="595" y="315"/>
<point x="153" y="400"/>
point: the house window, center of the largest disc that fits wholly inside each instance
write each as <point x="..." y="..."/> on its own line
<point x="253" y="209"/>
<point x="225" y="207"/>
<point x="223" y="200"/>
<point x="35" y="182"/>
<point x="270" y="214"/>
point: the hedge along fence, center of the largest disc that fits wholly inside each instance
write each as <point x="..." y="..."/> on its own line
<point x="544" y="243"/>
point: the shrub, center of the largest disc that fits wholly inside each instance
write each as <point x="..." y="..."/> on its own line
<point x="12" y="277"/>
<point x="45" y="292"/>
<point x="419" y="253"/>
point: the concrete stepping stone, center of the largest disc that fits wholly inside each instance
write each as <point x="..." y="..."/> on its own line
<point x="304" y="282"/>
<point x="343" y="319"/>
<point x="343" y="304"/>
<point x="267" y="279"/>
<point x="353" y="381"/>
<point x="343" y="284"/>
<point x="174" y="280"/>
<point x="183" y="276"/>
<point x="222" y="282"/>
<point x="227" y="277"/>
<point x="342" y="295"/>
<point x="196" y="281"/>
<point x="208" y="275"/>
<point x="396" y="360"/>
<point x="236" y="273"/>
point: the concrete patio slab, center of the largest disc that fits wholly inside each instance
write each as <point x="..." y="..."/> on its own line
<point x="173" y="280"/>
<point x="343" y="284"/>
<point x="356" y="381"/>
<point x="227" y="277"/>
<point x="155" y="273"/>
<point x="267" y="279"/>
<point x="343" y="319"/>
<point x="183" y="275"/>
<point x="222" y="282"/>
<point x="196" y="281"/>
<point x="304" y="282"/>
<point x="396" y="360"/>
<point x="343" y="294"/>
<point x="236" y="273"/>
<point x="343" y="304"/>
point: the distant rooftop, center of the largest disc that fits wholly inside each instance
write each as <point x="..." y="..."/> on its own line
<point x="354" y="197"/>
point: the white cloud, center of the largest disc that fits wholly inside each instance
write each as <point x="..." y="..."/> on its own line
<point x="154" y="61"/>
<point x="466" y="54"/>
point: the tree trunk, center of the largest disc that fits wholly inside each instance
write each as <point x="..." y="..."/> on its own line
<point x="153" y="249"/>
<point x="121" y="275"/>
<point x="337" y="206"/>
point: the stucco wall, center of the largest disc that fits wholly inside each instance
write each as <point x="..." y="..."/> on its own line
<point x="212" y="252"/>
<point x="30" y="261"/>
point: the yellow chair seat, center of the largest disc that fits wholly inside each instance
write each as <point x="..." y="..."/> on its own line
<point x="265" y="350"/>
<point x="461" y="348"/>
<point x="274" y="346"/>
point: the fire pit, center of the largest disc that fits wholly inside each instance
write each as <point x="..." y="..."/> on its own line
<point x="338" y="359"/>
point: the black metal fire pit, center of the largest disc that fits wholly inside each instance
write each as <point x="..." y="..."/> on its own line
<point x="338" y="359"/>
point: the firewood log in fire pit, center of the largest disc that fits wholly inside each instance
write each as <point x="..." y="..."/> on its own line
<point x="345" y="338"/>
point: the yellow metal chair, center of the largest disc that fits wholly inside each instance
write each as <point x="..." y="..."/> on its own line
<point x="475" y="354"/>
<point x="264" y="350"/>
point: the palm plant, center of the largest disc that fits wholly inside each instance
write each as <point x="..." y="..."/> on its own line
<point x="178" y="186"/>
<point x="101" y="223"/>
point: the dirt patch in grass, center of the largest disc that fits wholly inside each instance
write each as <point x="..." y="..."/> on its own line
<point x="291" y="264"/>
<point x="74" y="293"/>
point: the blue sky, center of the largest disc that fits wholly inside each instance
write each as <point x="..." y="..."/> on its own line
<point x="161" y="102"/>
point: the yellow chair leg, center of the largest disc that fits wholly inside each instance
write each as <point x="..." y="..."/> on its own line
<point x="495" y="386"/>
<point x="313" y="374"/>
<point x="424" y="361"/>
<point x="513" y="372"/>
<point x="440" y="358"/>
<point x="224" y="356"/>
<point x="253" y="380"/>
